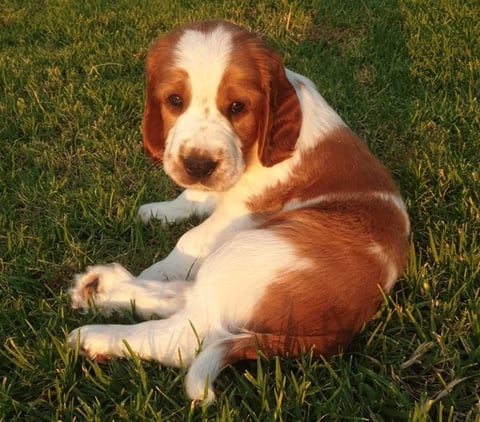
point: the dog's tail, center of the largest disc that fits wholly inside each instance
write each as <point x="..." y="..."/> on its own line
<point x="214" y="357"/>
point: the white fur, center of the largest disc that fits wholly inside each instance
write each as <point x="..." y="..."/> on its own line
<point x="205" y="56"/>
<point x="379" y="252"/>
<point x="199" y="242"/>
<point x="394" y="199"/>
<point x="206" y="367"/>
<point x="214" y="307"/>
<point x="318" y="117"/>
<point x="190" y="202"/>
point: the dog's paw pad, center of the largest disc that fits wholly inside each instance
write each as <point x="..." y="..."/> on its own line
<point x="91" y="288"/>
<point x="99" y="357"/>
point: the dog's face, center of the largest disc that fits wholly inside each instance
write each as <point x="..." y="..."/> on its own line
<point x="216" y="95"/>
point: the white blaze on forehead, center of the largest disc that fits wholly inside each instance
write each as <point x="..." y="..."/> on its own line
<point x="204" y="56"/>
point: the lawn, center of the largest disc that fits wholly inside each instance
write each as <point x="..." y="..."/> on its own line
<point x="404" y="74"/>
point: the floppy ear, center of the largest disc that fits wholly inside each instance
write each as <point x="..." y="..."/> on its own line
<point x="280" y="128"/>
<point x="153" y="135"/>
<point x="158" y="59"/>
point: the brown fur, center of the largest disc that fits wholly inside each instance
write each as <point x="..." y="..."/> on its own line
<point x="339" y="164"/>
<point x="346" y="277"/>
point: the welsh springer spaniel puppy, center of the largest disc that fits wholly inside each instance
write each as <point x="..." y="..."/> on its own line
<point x="306" y="230"/>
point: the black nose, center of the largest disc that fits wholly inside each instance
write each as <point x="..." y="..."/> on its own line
<point x="199" y="167"/>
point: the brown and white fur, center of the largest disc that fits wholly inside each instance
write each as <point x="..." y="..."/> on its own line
<point x="305" y="227"/>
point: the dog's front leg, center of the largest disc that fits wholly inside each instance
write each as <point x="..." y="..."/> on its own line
<point x="184" y="260"/>
<point x="190" y="202"/>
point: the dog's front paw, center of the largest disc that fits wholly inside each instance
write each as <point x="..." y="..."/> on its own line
<point x="167" y="212"/>
<point x="97" y="284"/>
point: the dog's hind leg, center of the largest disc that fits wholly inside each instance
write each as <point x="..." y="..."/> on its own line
<point x="173" y="341"/>
<point x="229" y="285"/>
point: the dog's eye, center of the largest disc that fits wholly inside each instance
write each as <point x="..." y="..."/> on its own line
<point x="175" y="100"/>
<point x="236" y="107"/>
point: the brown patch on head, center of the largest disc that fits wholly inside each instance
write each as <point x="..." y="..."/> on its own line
<point x="278" y="143"/>
<point x="256" y="78"/>
<point x="241" y="84"/>
<point x="163" y="82"/>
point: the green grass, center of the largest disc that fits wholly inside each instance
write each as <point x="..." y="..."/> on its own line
<point x="404" y="74"/>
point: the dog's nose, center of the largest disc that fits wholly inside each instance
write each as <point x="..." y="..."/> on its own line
<point x="199" y="167"/>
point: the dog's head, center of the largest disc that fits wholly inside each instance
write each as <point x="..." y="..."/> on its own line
<point x="215" y="95"/>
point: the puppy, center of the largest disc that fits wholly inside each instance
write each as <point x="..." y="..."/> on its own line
<point x="305" y="229"/>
